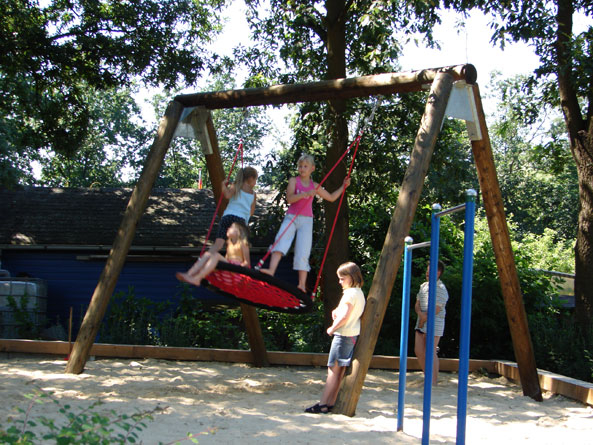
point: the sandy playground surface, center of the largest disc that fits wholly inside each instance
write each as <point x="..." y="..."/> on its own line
<point x="246" y="405"/>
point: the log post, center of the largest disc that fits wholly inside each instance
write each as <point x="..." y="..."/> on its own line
<point x="505" y="261"/>
<point x="250" y="318"/>
<point x="214" y="166"/>
<point x="391" y="254"/>
<point x="123" y="240"/>
<point x="255" y="336"/>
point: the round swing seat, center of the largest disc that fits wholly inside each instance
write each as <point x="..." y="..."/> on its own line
<point x="255" y="288"/>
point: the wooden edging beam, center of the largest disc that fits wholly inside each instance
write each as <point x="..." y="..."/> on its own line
<point x="549" y="381"/>
<point x="363" y="86"/>
<point x="555" y="383"/>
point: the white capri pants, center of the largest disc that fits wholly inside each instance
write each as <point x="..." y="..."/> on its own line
<point x="303" y="228"/>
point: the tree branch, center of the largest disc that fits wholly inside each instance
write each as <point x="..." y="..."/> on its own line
<point x="568" y="96"/>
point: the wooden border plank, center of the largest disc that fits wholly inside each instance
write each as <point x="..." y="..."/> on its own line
<point x="555" y="383"/>
<point x="549" y="381"/>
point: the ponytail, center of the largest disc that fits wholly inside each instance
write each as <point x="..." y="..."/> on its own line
<point x="242" y="175"/>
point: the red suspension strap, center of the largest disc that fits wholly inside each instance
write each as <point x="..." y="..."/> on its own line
<point x="366" y="123"/>
<point x="331" y="233"/>
<point x="239" y="150"/>
<point x="261" y="262"/>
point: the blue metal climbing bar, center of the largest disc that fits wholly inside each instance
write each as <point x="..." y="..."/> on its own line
<point x="466" y="302"/>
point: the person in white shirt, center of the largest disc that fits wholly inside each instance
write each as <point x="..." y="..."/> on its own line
<point x="421" y="307"/>
<point x="345" y="330"/>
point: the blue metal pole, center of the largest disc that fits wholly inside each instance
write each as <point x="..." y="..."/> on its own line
<point x="466" y="310"/>
<point x="403" y="342"/>
<point x="429" y="353"/>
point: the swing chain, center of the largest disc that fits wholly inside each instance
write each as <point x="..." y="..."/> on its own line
<point x="367" y="122"/>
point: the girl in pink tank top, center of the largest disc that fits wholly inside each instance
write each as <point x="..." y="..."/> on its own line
<point x="300" y="198"/>
<point x="302" y="207"/>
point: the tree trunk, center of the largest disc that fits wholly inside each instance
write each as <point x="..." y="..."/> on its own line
<point x="336" y="69"/>
<point x="580" y="134"/>
<point x="583" y="284"/>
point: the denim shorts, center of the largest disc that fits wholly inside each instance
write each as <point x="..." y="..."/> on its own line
<point x="341" y="350"/>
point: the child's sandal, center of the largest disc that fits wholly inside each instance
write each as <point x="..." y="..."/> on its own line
<point x="317" y="409"/>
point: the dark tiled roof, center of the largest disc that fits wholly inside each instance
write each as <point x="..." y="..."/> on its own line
<point x="90" y="217"/>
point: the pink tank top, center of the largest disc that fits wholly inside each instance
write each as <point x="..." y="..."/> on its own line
<point x="303" y="207"/>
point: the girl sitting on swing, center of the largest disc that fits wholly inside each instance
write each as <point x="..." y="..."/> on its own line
<point x="241" y="196"/>
<point x="237" y="252"/>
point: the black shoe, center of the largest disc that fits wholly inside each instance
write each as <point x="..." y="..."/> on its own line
<point x="318" y="409"/>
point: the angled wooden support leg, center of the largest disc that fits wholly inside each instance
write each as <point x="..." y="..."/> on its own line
<point x="123" y="240"/>
<point x="391" y="253"/>
<point x="505" y="261"/>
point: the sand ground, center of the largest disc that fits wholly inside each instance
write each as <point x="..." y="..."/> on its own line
<point x="237" y="403"/>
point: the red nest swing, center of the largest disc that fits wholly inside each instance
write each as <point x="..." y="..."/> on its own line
<point x="252" y="287"/>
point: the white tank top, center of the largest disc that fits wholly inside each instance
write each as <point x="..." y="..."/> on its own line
<point x="240" y="205"/>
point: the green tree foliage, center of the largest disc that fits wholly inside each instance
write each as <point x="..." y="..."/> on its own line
<point x="330" y="40"/>
<point x="51" y="52"/>
<point x="537" y="177"/>
<point x="566" y="63"/>
<point x="103" y="157"/>
<point x="185" y="159"/>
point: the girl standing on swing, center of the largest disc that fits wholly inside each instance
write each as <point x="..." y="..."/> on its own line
<point x="299" y="194"/>
<point x="241" y="196"/>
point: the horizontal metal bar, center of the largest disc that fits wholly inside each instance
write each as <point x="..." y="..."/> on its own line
<point x="418" y="245"/>
<point x="450" y="210"/>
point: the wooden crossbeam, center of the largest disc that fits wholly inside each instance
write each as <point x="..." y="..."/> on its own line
<point x="364" y="86"/>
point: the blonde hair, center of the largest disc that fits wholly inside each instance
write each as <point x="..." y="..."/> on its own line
<point x="243" y="175"/>
<point x="351" y="270"/>
<point x="307" y="158"/>
<point x="242" y="231"/>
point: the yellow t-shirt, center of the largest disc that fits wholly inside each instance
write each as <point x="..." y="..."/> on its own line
<point x="355" y="297"/>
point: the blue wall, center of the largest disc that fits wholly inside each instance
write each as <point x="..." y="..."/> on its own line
<point x="71" y="282"/>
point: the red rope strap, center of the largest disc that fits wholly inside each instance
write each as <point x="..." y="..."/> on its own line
<point x="239" y="150"/>
<point x="357" y="141"/>
<point x="271" y="249"/>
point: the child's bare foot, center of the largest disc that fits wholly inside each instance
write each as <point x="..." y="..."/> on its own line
<point x="182" y="276"/>
<point x="196" y="281"/>
<point x="266" y="271"/>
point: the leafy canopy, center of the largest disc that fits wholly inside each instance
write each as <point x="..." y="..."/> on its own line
<point x="54" y="54"/>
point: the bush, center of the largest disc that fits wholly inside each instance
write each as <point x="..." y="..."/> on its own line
<point x="89" y="426"/>
<point x="133" y="320"/>
<point x="560" y="346"/>
<point x="195" y="325"/>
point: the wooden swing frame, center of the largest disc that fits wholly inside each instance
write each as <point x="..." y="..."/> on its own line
<point x="440" y="81"/>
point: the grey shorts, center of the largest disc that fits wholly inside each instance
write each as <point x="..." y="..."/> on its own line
<point x="341" y="350"/>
